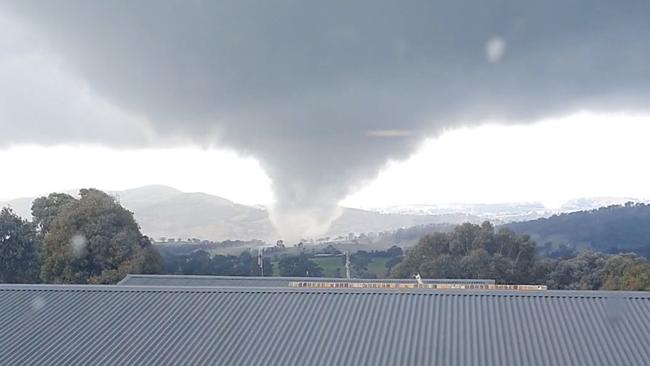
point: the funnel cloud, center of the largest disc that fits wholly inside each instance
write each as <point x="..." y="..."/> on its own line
<point x="324" y="93"/>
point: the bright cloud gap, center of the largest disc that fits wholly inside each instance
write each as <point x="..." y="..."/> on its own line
<point x="552" y="161"/>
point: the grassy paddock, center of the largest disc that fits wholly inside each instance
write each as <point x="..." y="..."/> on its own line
<point x="330" y="265"/>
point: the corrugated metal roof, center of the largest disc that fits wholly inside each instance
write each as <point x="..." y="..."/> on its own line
<point x="210" y="281"/>
<point x="122" y="325"/>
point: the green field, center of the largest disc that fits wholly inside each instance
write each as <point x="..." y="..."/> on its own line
<point x="330" y="265"/>
<point x="378" y="267"/>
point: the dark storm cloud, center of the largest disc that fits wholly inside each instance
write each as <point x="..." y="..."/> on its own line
<point x="324" y="92"/>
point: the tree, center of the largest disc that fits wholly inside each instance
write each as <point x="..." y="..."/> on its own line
<point x="46" y="209"/>
<point x="429" y="248"/>
<point x="392" y="262"/>
<point x="626" y="272"/>
<point x="330" y="249"/>
<point x="360" y="261"/>
<point x="224" y="265"/>
<point x="443" y="266"/>
<point x="247" y="265"/>
<point x="299" y="266"/>
<point x="394" y="251"/>
<point x="476" y="264"/>
<point x="93" y="240"/>
<point x="18" y="249"/>
<point x="471" y="251"/>
<point x="198" y="263"/>
<point x="636" y="277"/>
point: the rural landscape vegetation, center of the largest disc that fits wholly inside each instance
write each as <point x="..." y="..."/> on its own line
<point x="91" y="238"/>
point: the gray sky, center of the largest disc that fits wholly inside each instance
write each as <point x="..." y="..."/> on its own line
<point x="322" y="94"/>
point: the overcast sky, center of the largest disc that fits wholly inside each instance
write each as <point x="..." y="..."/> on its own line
<point x="304" y="103"/>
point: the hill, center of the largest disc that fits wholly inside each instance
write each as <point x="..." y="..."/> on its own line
<point x="167" y="212"/>
<point x="494" y="212"/>
<point x="593" y="203"/>
<point x="164" y="211"/>
<point x="613" y="229"/>
<point x="352" y="220"/>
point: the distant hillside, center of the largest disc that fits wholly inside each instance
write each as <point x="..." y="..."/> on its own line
<point x="611" y="229"/>
<point x="356" y="220"/>
<point x="167" y="212"/>
<point x="497" y="213"/>
<point x="593" y="203"/>
<point x="164" y="211"/>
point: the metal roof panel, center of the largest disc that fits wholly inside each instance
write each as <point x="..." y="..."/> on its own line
<point x="141" y="325"/>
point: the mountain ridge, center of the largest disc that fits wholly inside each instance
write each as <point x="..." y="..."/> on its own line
<point x="612" y="229"/>
<point x="164" y="211"/>
<point x="167" y="212"/>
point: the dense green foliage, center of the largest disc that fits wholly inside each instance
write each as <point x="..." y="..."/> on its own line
<point x="362" y="261"/>
<point x="594" y="271"/>
<point x="18" y="249"/>
<point x="473" y="251"/>
<point x="46" y="209"/>
<point x="91" y="240"/>
<point x="614" y="229"/>
<point x="299" y="266"/>
<point x="201" y="262"/>
<point x="332" y="261"/>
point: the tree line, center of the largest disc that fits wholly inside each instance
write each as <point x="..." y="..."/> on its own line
<point x="614" y="229"/>
<point x="481" y="251"/>
<point x="90" y="239"/>
<point x="93" y="239"/>
<point x="201" y="262"/>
